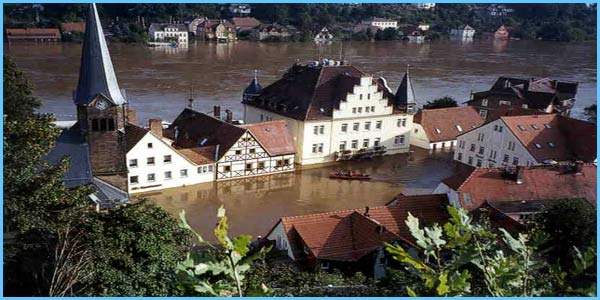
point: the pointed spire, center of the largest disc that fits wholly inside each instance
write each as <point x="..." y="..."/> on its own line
<point x="254" y="88"/>
<point x="96" y="73"/>
<point x="405" y="96"/>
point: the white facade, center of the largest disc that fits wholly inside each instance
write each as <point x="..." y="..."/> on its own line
<point x="382" y="23"/>
<point x="170" y="32"/>
<point x="281" y="240"/>
<point x="426" y="6"/>
<point x="248" y="158"/>
<point x="464" y="32"/>
<point x="419" y="139"/>
<point x="492" y="145"/>
<point x="363" y="121"/>
<point x="152" y="164"/>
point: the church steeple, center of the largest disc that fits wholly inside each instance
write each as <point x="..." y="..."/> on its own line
<point x="253" y="89"/>
<point x="405" y="96"/>
<point x="96" y="73"/>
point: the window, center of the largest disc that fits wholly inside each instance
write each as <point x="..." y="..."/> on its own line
<point x="547" y="126"/>
<point x="320" y="148"/>
<point x="95" y="125"/>
<point x="354" y="144"/>
<point x="481" y="150"/>
<point x="365" y="143"/>
<point x="511" y="146"/>
<point x="372" y="108"/>
<point x="133" y="163"/>
<point x="278" y="163"/>
<point x="472" y="148"/>
<point x="150" y="161"/>
<point x="521" y="127"/>
<point x="470" y="160"/>
<point x="149" y="145"/>
<point x="479" y="163"/>
<point x="480" y="137"/>
<point x="484" y="102"/>
<point x="515" y="161"/>
<point x="210" y="168"/>
<point x="238" y="152"/>
<point x="183" y="173"/>
<point x="368" y="96"/>
<point x="315" y="130"/>
<point x="378" y="125"/>
<point x="399" y="140"/>
<point x="376" y="142"/>
<point x="551" y="145"/>
<point x="535" y="127"/>
<point x="168" y="175"/>
<point x="354" y="110"/>
<point x="133" y="179"/>
<point x="360" y="110"/>
<point x="401" y="122"/>
<point x="504" y="102"/>
<point x="367" y="108"/>
<point x="344" y="127"/>
<point x="506" y="158"/>
<point x="438" y="131"/>
<point x="286" y="162"/>
<point x="167" y="159"/>
<point x="151" y="177"/>
<point x="261" y="165"/>
<point x="342" y="145"/>
<point x="538" y="146"/>
<point x="459" y="128"/>
<point x="467" y="199"/>
<point x="367" y="125"/>
<point x="459" y="156"/>
<point x="483" y="113"/>
<point x="360" y="96"/>
<point x="249" y="167"/>
<point x="322" y="129"/>
<point x="355" y="126"/>
<point x="227" y="169"/>
<point x="314" y="148"/>
<point x="253" y="150"/>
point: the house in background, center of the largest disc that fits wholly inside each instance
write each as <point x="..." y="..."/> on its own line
<point x="503" y="188"/>
<point x="502" y="33"/>
<point x="527" y="141"/>
<point x="240" y="10"/>
<point x="33" y="34"/>
<point x="352" y="240"/>
<point x="270" y="31"/>
<point x="335" y="112"/>
<point x="245" y="24"/>
<point x="545" y="94"/>
<point x="169" y="32"/>
<point x="70" y="28"/>
<point x="463" y="32"/>
<point x="324" y="36"/>
<point x="213" y="30"/>
<point x="436" y="129"/>
<point x="381" y="23"/>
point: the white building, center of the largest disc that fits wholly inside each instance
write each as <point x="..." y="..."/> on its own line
<point x="169" y="32"/>
<point x="335" y="112"/>
<point x="465" y="32"/>
<point x="527" y="141"/>
<point x="438" y="128"/>
<point x="381" y="23"/>
<point x="324" y="35"/>
<point x="425" y="6"/>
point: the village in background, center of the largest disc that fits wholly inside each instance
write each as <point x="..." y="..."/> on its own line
<point x="518" y="152"/>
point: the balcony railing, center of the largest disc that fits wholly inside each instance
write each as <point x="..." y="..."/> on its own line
<point x="359" y="154"/>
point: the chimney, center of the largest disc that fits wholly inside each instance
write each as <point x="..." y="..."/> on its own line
<point x="217" y="148"/>
<point x="229" y="118"/>
<point x="519" y="175"/>
<point x="155" y="126"/>
<point x="217" y="111"/>
<point x="366" y="214"/>
<point x="131" y="116"/>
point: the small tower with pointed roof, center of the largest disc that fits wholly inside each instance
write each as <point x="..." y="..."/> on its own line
<point x="253" y="89"/>
<point x="405" y="96"/>
<point x="101" y="105"/>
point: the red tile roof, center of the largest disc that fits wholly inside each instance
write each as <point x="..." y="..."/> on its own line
<point x="32" y="32"/>
<point x="571" y="139"/>
<point x="245" y="23"/>
<point x="274" y="136"/>
<point x="73" y="27"/>
<point x="445" y="120"/>
<point x="539" y="183"/>
<point x="133" y="134"/>
<point x="348" y="235"/>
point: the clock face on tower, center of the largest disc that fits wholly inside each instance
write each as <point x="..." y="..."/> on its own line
<point x="101" y="105"/>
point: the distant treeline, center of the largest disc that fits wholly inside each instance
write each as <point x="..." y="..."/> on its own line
<point x="563" y="22"/>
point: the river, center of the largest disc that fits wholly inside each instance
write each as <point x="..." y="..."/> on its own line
<point x="158" y="83"/>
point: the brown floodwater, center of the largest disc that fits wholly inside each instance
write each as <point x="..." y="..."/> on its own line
<point x="158" y="82"/>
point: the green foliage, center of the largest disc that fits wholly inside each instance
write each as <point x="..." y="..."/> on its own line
<point x="441" y="103"/>
<point x="219" y="270"/>
<point x="135" y="249"/>
<point x="452" y="259"/>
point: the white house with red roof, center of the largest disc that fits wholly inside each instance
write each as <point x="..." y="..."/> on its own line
<point x="438" y="128"/>
<point x="527" y="141"/>
<point x="464" y="32"/>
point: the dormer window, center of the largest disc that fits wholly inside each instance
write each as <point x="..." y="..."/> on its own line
<point x="551" y="145"/>
<point x="535" y="127"/>
<point x="459" y="128"/>
<point x="438" y="131"/>
<point x="537" y="145"/>
<point x="521" y="127"/>
<point x="484" y="102"/>
<point x="547" y="126"/>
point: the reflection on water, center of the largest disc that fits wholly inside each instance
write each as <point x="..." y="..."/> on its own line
<point x="158" y="81"/>
<point x="255" y="204"/>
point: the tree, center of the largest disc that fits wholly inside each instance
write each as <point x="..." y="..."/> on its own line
<point x="135" y="250"/>
<point x="40" y="214"/>
<point x="591" y="112"/>
<point x="219" y="270"/>
<point x="569" y="223"/>
<point x="441" y="103"/>
<point x="453" y="257"/>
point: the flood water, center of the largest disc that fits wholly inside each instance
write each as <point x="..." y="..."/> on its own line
<point x="158" y="83"/>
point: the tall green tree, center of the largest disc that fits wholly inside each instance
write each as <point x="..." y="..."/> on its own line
<point x="441" y="103"/>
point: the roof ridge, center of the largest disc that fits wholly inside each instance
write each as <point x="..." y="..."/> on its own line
<point x="473" y="171"/>
<point x="329" y="212"/>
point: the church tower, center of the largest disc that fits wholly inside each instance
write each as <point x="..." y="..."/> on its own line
<point x="405" y="96"/>
<point x="252" y="90"/>
<point x="101" y="106"/>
